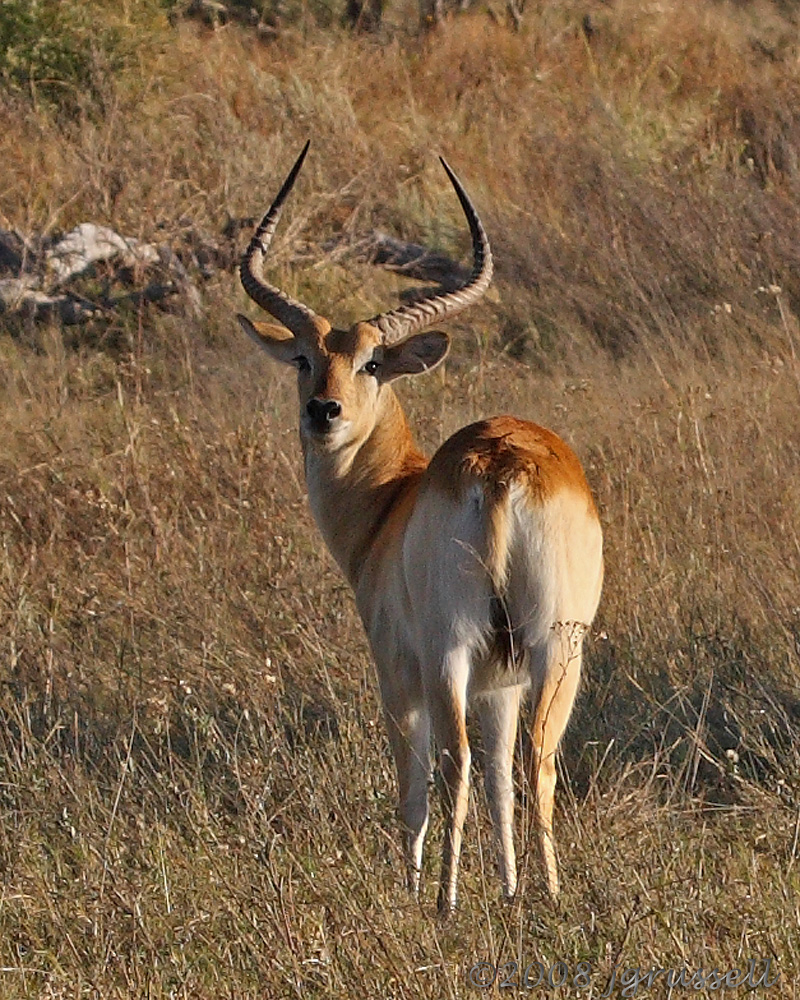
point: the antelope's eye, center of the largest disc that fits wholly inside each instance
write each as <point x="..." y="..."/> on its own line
<point x="302" y="363"/>
<point x="371" y="368"/>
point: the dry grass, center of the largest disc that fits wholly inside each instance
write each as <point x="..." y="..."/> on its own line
<point x="196" y="795"/>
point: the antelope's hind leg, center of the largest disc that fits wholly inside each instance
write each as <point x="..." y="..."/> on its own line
<point x="498" y="712"/>
<point x="551" y="713"/>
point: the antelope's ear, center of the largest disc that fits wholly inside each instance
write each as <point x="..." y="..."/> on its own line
<point x="276" y="340"/>
<point x="415" y="355"/>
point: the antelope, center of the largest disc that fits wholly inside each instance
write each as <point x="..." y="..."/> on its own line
<point x="476" y="573"/>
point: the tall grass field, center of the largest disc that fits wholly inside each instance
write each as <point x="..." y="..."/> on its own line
<point x="197" y="797"/>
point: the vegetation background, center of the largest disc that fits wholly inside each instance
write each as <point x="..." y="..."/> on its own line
<point x="196" y="793"/>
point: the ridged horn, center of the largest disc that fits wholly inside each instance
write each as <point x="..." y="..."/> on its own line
<point x="293" y="314"/>
<point x="407" y="320"/>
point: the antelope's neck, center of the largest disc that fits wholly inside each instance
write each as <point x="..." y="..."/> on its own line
<point x="359" y="494"/>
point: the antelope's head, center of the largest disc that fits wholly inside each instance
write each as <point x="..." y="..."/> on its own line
<point x="343" y="374"/>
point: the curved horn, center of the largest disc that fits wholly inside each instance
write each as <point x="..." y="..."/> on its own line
<point x="401" y="323"/>
<point x="286" y="310"/>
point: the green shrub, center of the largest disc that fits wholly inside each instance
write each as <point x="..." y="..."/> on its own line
<point x="64" y="52"/>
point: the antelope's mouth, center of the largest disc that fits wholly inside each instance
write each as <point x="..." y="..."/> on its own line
<point x="327" y="436"/>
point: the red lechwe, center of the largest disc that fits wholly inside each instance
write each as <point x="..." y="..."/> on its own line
<point x="476" y="573"/>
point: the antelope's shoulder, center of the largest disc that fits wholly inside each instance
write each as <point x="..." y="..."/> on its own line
<point x="502" y="451"/>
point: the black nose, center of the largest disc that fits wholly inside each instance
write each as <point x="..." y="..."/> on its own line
<point x="323" y="412"/>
